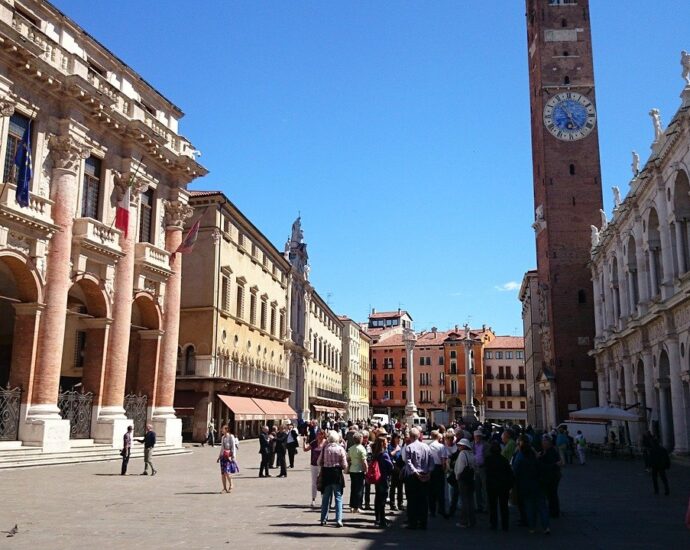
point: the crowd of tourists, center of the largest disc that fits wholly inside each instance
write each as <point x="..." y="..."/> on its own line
<point x="459" y="471"/>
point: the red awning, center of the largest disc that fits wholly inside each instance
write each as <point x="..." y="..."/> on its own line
<point x="275" y="410"/>
<point x="244" y="408"/>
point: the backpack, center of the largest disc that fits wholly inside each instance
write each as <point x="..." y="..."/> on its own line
<point x="373" y="474"/>
<point x="467" y="476"/>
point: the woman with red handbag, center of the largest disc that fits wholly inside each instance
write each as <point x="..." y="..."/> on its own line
<point x="227" y="458"/>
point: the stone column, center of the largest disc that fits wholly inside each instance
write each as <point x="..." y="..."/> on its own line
<point x="623" y="301"/>
<point x="168" y="427"/>
<point x="26" y="323"/>
<point x="666" y="248"/>
<point x="680" y="246"/>
<point x="642" y="279"/>
<point x="631" y="399"/>
<point x="45" y="426"/>
<point x="470" y="411"/>
<point x="95" y="354"/>
<point x="598" y="321"/>
<point x="680" y="431"/>
<point x="410" y="339"/>
<point x="607" y="291"/>
<point x="601" y="381"/>
<point x="649" y="389"/>
<point x="111" y="420"/>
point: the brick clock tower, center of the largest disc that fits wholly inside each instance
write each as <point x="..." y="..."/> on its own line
<point x="567" y="199"/>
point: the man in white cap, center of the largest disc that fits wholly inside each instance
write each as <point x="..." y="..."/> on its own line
<point x="464" y="472"/>
<point x="480" y="450"/>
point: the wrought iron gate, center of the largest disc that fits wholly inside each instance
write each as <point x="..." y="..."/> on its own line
<point x="76" y="407"/>
<point x="135" y="410"/>
<point x="9" y="413"/>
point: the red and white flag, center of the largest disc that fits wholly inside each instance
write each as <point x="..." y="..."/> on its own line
<point x="122" y="211"/>
<point x="187" y="245"/>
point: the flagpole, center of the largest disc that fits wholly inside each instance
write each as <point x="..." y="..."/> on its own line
<point x="130" y="179"/>
<point x="4" y="185"/>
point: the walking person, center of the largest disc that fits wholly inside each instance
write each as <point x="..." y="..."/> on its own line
<point x="580" y="446"/>
<point x="149" y="442"/>
<point x="451" y="453"/>
<point x="126" y="449"/>
<point x="465" y="467"/>
<point x="550" y="475"/>
<point x="333" y="463"/>
<point x="273" y="442"/>
<point x="292" y="443"/>
<point x="264" y="451"/>
<point x="527" y="480"/>
<point x="366" y="443"/>
<point x="228" y="458"/>
<point x="395" y="452"/>
<point x="437" y="482"/>
<point x="480" y="450"/>
<point x="659" y="462"/>
<point x="210" y="434"/>
<point x="281" y="450"/>
<point x="562" y="444"/>
<point x="357" y="460"/>
<point x="385" y="467"/>
<point x="499" y="481"/>
<point x="418" y="465"/>
<point x="315" y="447"/>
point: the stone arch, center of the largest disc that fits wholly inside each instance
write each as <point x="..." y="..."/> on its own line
<point x="144" y="347"/>
<point x="681" y="223"/>
<point x="663" y="397"/>
<point x="632" y="274"/>
<point x="87" y="290"/>
<point x="20" y="295"/>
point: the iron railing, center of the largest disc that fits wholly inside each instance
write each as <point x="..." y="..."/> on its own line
<point x="10" y="400"/>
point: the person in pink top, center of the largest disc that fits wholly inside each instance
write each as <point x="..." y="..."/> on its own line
<point x="333" y="462"/>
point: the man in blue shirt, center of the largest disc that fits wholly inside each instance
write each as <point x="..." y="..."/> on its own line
<point x="418" y="466"/>
<point x="149" y="442"/>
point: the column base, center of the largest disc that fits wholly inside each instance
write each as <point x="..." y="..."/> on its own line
<point x="43" y="427"/>
<point x="168" y="431"/>
<point x="410" y="414"/>
<point x="469" y="415"/>
<point x="110" y="430"/>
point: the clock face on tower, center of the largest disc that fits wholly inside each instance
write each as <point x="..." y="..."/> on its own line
<point x="569" y="116"/>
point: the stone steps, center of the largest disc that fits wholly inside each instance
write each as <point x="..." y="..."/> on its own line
<point x="27" y="457"/>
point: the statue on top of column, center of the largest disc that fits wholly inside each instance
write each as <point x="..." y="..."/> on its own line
<point x="616" y="197"/>
<point x="595" y="236"/>
<point x="685" y="63"/>
<point x="635" y="165"/>
<point x="604" y="221"/>
<point x="297" y="233"/>
<point x="656" y="120"/>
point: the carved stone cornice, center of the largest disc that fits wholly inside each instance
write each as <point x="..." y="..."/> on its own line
<point x="136" y="184"/>
<point x="176" y="213"/>
<point x="67" y="152"/>
<point x="6" y="108"/>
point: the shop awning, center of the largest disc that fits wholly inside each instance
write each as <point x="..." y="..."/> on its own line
<point x="276" y="410"/>
<point x="321" y="409"/>
<point x="244" y="408"/>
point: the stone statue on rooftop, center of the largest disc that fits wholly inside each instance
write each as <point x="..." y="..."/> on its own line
<point x="685" y="63"/>
<point x="635" y="165"/>
<point x="297" y="234"/>
<point x="656" y="120"/>
<point x="616" y="197"/>
<point x="604" y="221"/>
<point x="595" y="236"/>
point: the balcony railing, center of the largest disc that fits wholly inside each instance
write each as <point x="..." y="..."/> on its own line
<point x="521" y="376"/>
<point x="152" y="255"/>
<point x="39" y="207"/>
<point x="94" y="234"/>
<point x="327" y="394"/>
<point x="489" y="376"/>
<point x="252" y="375"/>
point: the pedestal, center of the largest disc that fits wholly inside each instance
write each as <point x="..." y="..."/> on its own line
<point x="469" y="415"/>
<point x="410" y="414"/>
<point x="168" y="431"/>
<point x="685" y="96"/>
<point x="43" y="427"/>
<point x="110" y="428"/>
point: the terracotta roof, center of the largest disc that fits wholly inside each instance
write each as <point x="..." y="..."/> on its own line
<point x="388" y="314"/>
<point x="394" y="340"/>
<point x="507" y="342"/>
<point x="204" y="193"/>
<point x="431" y="339"/>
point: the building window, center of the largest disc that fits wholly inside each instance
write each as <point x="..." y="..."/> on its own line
<point x="273" y="321"/>
<point x="404" y="395"/>
<point x="453" y="387"/>
<point x="145" y="217"/>
<point x="510" y="404"/>
<point x="190" y="361"/>
<point x="488" y="355"/>
<point x="225" y="294"/>
<point x="453" y="367"/>
<point x="489" y="389"/>
<point x="239" y="310"/>
<point x="403" y="363"/>
<point x="499" y="355"/>
<point x="581" y="297"/>
<point x="428" y="361"/>
<point x="519" y="355"/>
<point x="373" y="394"/>
<point x="572" y="166"/>
<point x="252" y="308"/>
<point x="264" y="314"/>
<point x="490" y="404"/>
<point x="421" y="361"/>
<point x="509" y="355"/>
<point x="283" y="332"/>
<point x="453" y="354"/>
<point x="79" y="349"/>
<point x="522" y="404"/>
<point x="502" y="404"/>
<point x="440" y="360"/>
<point x="91" y="190"/>
<point x="441" y="396"/>
<point x="18" y="125"/>
<point x="373" y="364"/>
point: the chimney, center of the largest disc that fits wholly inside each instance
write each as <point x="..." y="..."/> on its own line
<point x="373" y="310"/>
<point x="399" y="311"/>
<point x="434" y="330"/>
<point x="483" y="328"/>
<point x="456" y="328"/>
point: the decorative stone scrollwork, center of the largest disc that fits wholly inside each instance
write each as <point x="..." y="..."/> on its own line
<point x="176" y="213"/>
<point x="6" y="108"/>
<point x="67" y="152"/>
<point x="136" y="184"/>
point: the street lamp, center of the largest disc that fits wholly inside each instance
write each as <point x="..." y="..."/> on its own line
<point x="470" y="412"/>
<point x="409" y="339"/>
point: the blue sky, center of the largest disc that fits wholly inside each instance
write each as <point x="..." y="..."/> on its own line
<point x="399" y="130"/>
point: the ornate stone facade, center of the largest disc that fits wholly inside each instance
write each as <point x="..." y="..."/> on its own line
<point x="641" y="275"/>
<point x="85" y="307"/>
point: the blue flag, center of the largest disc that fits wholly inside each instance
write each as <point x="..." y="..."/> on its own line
<point x="23" y="162"/>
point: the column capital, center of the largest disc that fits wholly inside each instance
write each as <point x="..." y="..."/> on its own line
<point x="137" y="185"/>
<point x="68" y="152"/>
<point x="176" y="213"/>
<point x="6" y="108"/>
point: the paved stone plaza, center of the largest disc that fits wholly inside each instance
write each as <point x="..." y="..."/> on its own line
<point x="607" y="504"/>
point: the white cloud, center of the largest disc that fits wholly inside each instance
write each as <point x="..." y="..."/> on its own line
<point x="510" y="286"/>
<point x="455" y="294"/>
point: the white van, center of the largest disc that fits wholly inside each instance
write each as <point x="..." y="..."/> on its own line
<point x="382" y="419"/>
<point x="420" y="422"/>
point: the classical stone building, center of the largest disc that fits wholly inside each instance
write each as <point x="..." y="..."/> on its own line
<point x="355" y="368"/>
<point x="504" y="378"/>
<point x="640" y="263"/>
<point x="89" y="314"/>
<point x="233" y="324"/>
<point x="315" y="340"/>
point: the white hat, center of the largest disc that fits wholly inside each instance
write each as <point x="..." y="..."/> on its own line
<point x="465" y="443"/>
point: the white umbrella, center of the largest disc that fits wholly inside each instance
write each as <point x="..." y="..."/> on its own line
<point x="606" y="413"/>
